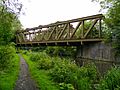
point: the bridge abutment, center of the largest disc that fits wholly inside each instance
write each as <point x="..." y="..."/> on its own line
<point x="99" y="53"/>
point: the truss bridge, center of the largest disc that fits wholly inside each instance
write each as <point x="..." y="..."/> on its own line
<point x="71" y="32"/>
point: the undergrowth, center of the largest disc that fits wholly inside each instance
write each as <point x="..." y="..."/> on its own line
<point x="55" y="73"/>
<point x="9" y="75"/>
<point x="40" y="76"/>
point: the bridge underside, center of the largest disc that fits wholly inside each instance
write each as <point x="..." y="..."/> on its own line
<point x="60" y="43"/>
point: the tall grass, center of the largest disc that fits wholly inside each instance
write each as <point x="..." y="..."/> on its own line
<point x="40" y="76"/>
<point x="65" y="73"/>
<point x="68" y="76"/>
<point x="9" y="76"/>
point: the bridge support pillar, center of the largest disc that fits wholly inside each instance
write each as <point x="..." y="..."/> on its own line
<point x="79" y="61"/>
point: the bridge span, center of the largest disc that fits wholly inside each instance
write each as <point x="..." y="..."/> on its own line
<point x="71" y="32"/>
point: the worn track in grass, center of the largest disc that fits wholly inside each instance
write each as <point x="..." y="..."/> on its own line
<point x="24" y="81"/>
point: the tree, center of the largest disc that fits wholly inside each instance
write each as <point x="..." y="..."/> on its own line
<point x="9" y="22"/>
<point x="112" y="21"/>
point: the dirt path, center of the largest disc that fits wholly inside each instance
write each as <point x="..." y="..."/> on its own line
<point x="24" y="81"/>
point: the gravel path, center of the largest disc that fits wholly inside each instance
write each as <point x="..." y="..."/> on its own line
<point x="24" y="81"/>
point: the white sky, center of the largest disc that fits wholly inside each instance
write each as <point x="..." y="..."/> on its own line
<point x="42" y="12"/>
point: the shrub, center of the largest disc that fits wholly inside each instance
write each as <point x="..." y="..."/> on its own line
<point x="86" y="77"/>
<point x="111" y="81"/>
<point x="84" y="84"/>
<point x="64" y="86"/>
<point x="42" y="59"/>
<point x="38" y="49"/>
<point x="38" y="56"/>
<point x="25" y="52"/>
<point x="45" y="64"/>
<point x="82" y="78"/>
<point x="6" y="55"/>
<point x="88" y="71"/>
<point x="63" y="71"/>
<point x="34" y="57"/>
<point x="66" y="72"/>
<point x="61" y="51"/>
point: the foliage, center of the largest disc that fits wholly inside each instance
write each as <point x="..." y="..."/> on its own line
<point x="112" y="22"/>
<point x="111" y="81"/>
<point x="6" y="55"/>
<point x="62" y="70"/>
<point x="9" y="23"/>
<point x="40" y="76"/>
<point x="86" y="77"/>
<point x="64" y="86"/>
<point x="61" y="51"/>
<point x="13" y="6"/>
<point x="9" y="76"/>
<point x="87" y="25"/>
<point x="39" y="49"/>
<point x="81" y="78"/>
<point x="38" y="56"/>
<point x="34" y="57"/>
<point x="42" y="59"/>
<point x="88" y="70"/>
<point x="65" y="72"/>
<point x="69" y="76"/>
<point x="45" y="64"/>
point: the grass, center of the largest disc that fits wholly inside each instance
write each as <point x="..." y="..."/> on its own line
<point x="40" y="76"/>
<point x="8" y="77"/>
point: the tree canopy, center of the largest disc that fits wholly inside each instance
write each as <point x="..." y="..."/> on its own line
<point x="112" y="21"/>
<point x="9" y="21"/>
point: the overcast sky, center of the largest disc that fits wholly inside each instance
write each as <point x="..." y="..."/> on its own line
<point x="41" y="12"/>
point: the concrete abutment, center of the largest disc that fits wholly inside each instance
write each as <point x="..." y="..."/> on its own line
<point x="100" y="53"/>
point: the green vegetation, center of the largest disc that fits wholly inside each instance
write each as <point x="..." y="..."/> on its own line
<point x="9" y="67"/>
<point x="6" y="55"/>
<point x="64" y="51"/>
<point x="111" y="81"/>
<point x="40" y="76"/>
<point x="9" y="75"/>
<point x="9" y="23"/>
<point x="87" y="25"/>
<point x="112" y="22"/>
<point x="9" y="60"/>
<point x="55" y="73"/>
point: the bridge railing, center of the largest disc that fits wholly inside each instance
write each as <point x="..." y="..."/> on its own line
<point x="75" y="29"/>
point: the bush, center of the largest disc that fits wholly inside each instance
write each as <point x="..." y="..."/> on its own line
<point x="88" y="71"/>
<point x="86" y="77"/>
<point x="84" y="84"/>
<point x="61" y="51"/>
<point x="42" y="59"/>
<point x="38" y="56"/>
<point x="67" y="73"/>
<point x="111" y="81"/>
<point x="6" y="55"/>
<point x="25" y="52"/>
<point x="45" y="64"/>
<point x="82" y="78"/>
<point x="64" y="86"/>
<point x="62" y="71"/>
<point x="34" y="57"/>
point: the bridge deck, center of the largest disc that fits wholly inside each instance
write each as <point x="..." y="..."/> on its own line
<point x="60" y="43"/>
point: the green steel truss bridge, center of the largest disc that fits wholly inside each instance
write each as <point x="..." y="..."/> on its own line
<point x="71" y="32"/>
